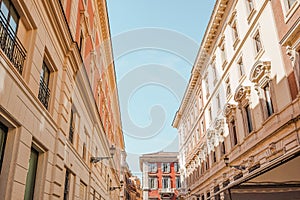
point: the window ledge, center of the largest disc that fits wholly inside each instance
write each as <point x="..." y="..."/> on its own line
<point x="259" y="54"/>
<point x="224" y="64"/>
<point x="235" y="43"/>
<point x="250" y="16"/>
<point x="290" y="12"/>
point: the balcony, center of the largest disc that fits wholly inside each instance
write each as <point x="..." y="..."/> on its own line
<point x="10" y="45"/>
<point x="166" y="190"/>
<point x="44" y="93"/>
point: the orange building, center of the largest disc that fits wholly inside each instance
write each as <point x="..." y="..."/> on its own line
<point x="161" y="177"/>
<point x="59" y="111"/>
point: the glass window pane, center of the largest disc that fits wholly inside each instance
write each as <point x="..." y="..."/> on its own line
<point x="31" y="175"/>
<point x="4" y="8"/>
<point x="3" y="134"/>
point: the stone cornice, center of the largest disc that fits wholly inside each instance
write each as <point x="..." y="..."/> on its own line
<point x="210" y="36"/>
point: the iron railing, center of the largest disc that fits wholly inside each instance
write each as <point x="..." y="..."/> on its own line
<point x="44" y="93"/>
<point x="11" y="45"/>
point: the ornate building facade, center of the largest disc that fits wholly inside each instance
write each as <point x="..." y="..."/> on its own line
<point x="238" y="121"/>
<point x="59" y="111"/>
<point x="161" y="178"/>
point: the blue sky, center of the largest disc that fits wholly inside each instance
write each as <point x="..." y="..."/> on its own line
<point x="155" y="43"/>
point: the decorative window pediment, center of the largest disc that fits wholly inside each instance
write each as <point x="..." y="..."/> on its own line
<point x="229" y="110"/>
<point x="260" y="73"/>
<point x="219" y="124"/>
<point x="242" y="95"/>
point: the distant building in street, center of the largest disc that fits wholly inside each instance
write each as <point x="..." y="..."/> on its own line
<point x="161" y="178"/>
<point x="238" y="122"/>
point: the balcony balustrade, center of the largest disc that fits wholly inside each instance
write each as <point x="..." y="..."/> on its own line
<point x="11" y="45"/>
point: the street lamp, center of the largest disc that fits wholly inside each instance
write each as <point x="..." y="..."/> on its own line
<point x="239" y="167"/>
<point x="112" y="151"/>
<point x="116" y="187"/>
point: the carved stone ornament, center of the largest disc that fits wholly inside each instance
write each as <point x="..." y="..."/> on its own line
<point x="291" y="53"/>
<point x="229" y="109"/>
<point x="260" y="73"/>
<point x="210" y="133"/>
<point x="219" y="123"/>
<point x="241" y="93"/>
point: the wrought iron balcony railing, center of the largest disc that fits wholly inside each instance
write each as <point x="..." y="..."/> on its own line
<point x="11" y="45"/>
<point x="44" y="93"/>
<point x="166" y="190"/>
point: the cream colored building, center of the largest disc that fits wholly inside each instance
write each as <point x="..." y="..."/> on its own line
<point x="238" y="121"/>
<point x="50" y="120"/>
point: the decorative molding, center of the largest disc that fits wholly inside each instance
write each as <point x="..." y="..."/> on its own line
<point x="229" y="110"/>
<point x="241" y="93"/>
<point x="260" y="74"/>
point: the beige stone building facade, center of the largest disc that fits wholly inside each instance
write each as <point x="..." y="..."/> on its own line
<point x="238" y="122"/>
<point x="58" y="102"/>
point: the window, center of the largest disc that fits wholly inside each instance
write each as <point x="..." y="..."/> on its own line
<point x="228" y="87"/>
<point x="233" y="133"/>
<point x="178" y="184"/>
<point x="10" y="15"/>
<point x="67" y="184"/>
<point x="81" y="43"/>
<point x="235" y="33"/>
<point x="250" y="5"/>
<point x="152" y="182"/>
<point x="210" y="114"/>
<point x="153" y="167"/>
<point x="206" y="87"/>
<point x="176" y="167"/>
<point x="82" y="194"/>
<point x="166" y="167"/>
<point x="84" y="151"/>
<point x="241" y="67"/>
<point x="223" y="53"/>
<point x="257" y="41"/>
<point x="71" y="131"/>
<point x="290" y="3"/>
<point x="217" y="189"/>
<point x="3" y="135"/>
<point x="218" y="102"/>
<point x="44" y="91"/>
<point x="215" y="76"/>
<point x="166" y="182"/>
<point x="268" y="100"/>
<point x="223" y="148"/>
<point x="248" y="118"/>
<point x="214" y="157"/>
<point x="31" y="175"/>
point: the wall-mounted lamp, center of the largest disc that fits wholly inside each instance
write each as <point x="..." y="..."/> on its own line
<point x="239" y="167"/>
<point x="112" y="151"/>
<point x="116" y="187"/>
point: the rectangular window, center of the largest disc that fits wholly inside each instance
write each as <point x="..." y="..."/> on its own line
<point x="44" y="91"/>
<point x="10" y="44"/>
<point x="223" y="148"/>
<point x="153" y="167"/>
<point x="152" y="182"/>
<point x="67" y="184"/>
<point x="214" y="157"/>
<point x="290" y="3"/>
<point x="82" y="194"/>
<point x="178" y="184"/>
<point x="241" y="67"/>
<point x="258" y="44"/>
<point x="31" y="175"/>
<point x="223" y="53"/>
<point x="250" y="5"/>
<point x="71" y="131"/>
<point x="234" y="133"/>
<point x="218" y="102"/>
<point x="248" y="118"/>
<point x="165" y="182"/>
<point x="176" y="167"/>
<point x="234" y="31"/>
<point x="269" y="104"/>
<point x="81" y="43"/>
<point x="228" y="87"/>
<point x="215" y="75"/>
<point x="3" y="136"/>
<point x="210" y="114"/>
<point x="166" y="167"/>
